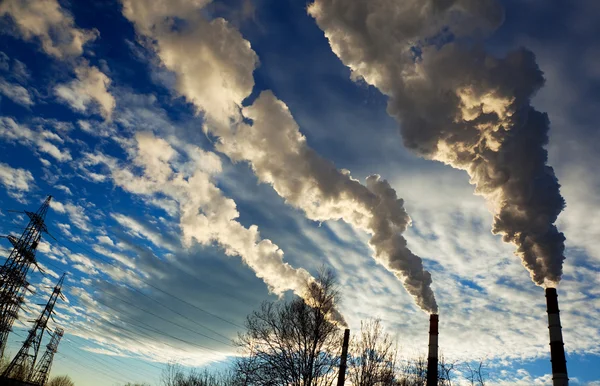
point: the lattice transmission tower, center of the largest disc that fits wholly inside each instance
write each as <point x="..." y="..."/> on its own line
<point x="13" y="274"/>
<point x="23" y="363"/>
<point x="42" y="369"/>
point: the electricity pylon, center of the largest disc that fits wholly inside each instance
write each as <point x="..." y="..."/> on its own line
<point x="13" y="273"/>
<point x="42" y="369"/>
<point x="23" y="363"/>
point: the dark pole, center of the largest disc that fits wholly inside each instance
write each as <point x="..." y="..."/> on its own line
<point x="432" y="358"/>
<point x="557" y="347"/>
<point x="343" y="359"/>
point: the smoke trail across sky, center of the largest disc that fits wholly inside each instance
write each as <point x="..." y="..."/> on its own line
<point x="213" y="65"/>
<point x="280" y="156"/>
<point x="206" y="215"/>
<point x="460" y="105"/>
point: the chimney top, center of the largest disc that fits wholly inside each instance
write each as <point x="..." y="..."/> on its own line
<point x="433" y="324"/>
<point x="552" y="301"/>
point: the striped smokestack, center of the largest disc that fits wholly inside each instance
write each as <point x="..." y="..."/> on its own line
<point x="557" y="347"/>
<point x="432" y="358"/>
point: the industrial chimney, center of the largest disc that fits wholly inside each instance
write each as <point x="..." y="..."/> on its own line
<point x="557" y="347"/>
<point x="432" y="359"/>
<point x="344" y="358"/>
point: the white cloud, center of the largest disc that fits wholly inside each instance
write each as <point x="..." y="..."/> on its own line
<point x="140" y="230"/>
<point x="76" y="215"/>
<point x="55" y="28"/>
<point x="91" y="86"/>
<point x="125" y="260"/>
<point x="57" y="206"/>
<point x="64" y="188"/>
<point x="16" y="93"/>
<point x="12" y="131"/>
<point x="48" y="270"/>
<point x="19" y="71"/>
<point x="4" y="62"/>
<point x="522" y="377"/>
<point x="105" y="240"/>
<point x="14" y="68"/>
<point x="103" y="129"/>
<point x="47" y="21"/>
<point x="16" y="181"/>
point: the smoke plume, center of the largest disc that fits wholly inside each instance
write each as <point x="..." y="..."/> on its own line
<point x="219" y="52"/>
<point x="460" y="105"/>
<point x="213" y="65"/>
<point x="206" y="215"/>
<point x="279" y="155"/>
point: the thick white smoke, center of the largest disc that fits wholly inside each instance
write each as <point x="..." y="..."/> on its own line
<point x="223" y="57"/>
<point x="206" y="215"/>
<point x="213" y="64"/>
<point x="460" y="105"/>
<point x="280" y="156"/>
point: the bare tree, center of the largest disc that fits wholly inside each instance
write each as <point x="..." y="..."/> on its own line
<point x="445" y="370"/>
<point x="476" y="374"/>
<point x="372" y="360"/>
<point x="412" y="372"/>
<point x="294" y="343"/>
<point x="172" y="375"/>
<point x="61" y="380"/>
<point x="175" y="375"/>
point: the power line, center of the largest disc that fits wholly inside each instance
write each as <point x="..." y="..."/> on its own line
<point x="51" y="265"/>
<point x="168" y="321"/>
<point x="174" y="311"/>
<point x="89" y="367"/>
<point x="150" y="328"/>
<point x="34" y="339"/>
<point x="103" y="259"/>
<point x="64" y="355"/>
<point x="99" y="359"/>
<point x="144" y="334"/>
<point x="180" y="314"/>
<point x="136" y="333"/>
<point x="132" y="338"/>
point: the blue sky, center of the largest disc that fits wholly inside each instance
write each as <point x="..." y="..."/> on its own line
<point x="190" y="168"/>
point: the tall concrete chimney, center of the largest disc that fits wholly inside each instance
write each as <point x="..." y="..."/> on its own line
<point x="432" y="358"/>
<point x="344" y="358"/>
<point x="557" y="347"/>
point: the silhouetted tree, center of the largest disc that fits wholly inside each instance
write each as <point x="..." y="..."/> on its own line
<point x="475" y="374"/>
<point x="372" y="359"/>
<point x="445" y="372"/>
<point x="293" y="343"/>
<point x="61" y="380"/>
<point x="412" y="372"/>
<point x="174" y="375"/>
